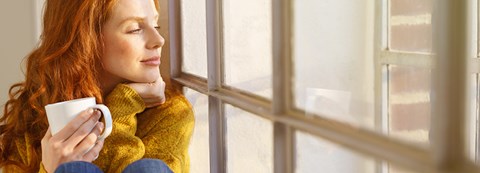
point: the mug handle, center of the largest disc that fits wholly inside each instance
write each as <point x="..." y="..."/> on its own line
<point x="108" y="120"/>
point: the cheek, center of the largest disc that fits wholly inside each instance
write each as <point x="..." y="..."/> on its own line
<point x="124" y="47"/>
<point x="118" y="53"/>
<point x="120" y="47"/>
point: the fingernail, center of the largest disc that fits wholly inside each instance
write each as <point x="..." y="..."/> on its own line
<point x="90" y="111"/>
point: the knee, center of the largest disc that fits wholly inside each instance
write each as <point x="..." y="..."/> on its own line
<point x="78" y="167"/>
<point x="147" y="165"/>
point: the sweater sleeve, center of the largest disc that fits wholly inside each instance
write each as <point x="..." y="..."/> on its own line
<point x="122" y="147"/>
<point x="166" y="131"/>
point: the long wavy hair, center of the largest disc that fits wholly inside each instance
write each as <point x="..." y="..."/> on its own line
<point x="64" y="66"/>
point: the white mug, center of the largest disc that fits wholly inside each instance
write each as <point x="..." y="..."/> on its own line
<point x="61" y="113"/>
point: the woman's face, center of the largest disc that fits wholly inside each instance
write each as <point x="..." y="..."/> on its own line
<point x="132" y="43"/>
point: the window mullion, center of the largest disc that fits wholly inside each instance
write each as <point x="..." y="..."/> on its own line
<point x="450" y="84"/>
<point x="406" y="59"/>
<point x="380" y="44"/>
<point x="217" y="122"/>
<point x="282" y="58"/>
<point x="175" y="41"/>
<point x="214" y="43"/>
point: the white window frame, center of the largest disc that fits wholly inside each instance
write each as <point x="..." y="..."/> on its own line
<point x="287" y="119"/>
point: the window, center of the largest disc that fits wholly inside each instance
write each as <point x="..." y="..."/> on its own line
<point x="284" y="86"/>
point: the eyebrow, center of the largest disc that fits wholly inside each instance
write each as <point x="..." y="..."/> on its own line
<point x="137" y="19"/>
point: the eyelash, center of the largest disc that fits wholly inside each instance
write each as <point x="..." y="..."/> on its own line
<point x="139" y="29"/>
<point x="134" y="31"/>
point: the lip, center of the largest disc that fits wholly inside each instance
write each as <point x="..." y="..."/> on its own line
<point x="153" y="61"/>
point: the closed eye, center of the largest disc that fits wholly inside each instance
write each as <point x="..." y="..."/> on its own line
<point x="135" y="31"/>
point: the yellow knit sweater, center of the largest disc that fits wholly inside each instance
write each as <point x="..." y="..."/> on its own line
<point x="162" y="132"/>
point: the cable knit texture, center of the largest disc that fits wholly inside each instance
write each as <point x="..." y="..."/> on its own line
<point x="162" y="132"/>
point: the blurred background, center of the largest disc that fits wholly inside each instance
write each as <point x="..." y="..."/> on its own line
<point x="18" y="36"/>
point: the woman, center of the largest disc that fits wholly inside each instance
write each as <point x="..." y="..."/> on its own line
<point x="110" y="50"/>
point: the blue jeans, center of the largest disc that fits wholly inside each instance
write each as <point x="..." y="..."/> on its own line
<point x="140" y="166"/>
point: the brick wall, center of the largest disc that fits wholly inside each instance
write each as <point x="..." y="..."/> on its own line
<point x="409" y="87"/>
<point x="410" y="25"/>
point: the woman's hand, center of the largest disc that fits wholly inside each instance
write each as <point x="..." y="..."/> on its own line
<point x="153" y="94"/>
<point x="77" y="141"/>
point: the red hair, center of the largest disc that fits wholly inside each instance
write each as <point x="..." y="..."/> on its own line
<point x="63" y="67"/>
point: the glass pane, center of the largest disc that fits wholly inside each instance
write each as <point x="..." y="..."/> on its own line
<point x="194" y="38"/>
<point x="410" y="25"/>
<point x="248" y="45"/>
<point x="249" y="142"/>
<point x="314" y="154"/>
<point x="409" y="103"/>
<point x="333" y="59"/>
<point x="199" y="145"/>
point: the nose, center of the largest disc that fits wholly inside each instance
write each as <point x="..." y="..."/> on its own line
<point x="155" y="40"/>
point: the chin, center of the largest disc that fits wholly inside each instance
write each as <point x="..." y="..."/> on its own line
<point x="143" y="76"/>
<point x="147" y="78"/>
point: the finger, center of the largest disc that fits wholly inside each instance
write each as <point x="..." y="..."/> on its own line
<point x="153" y="96"/>
<point x="73" y="125"/>
<point x="90" y="140"/>
<point x="140" y="88"/>
<point x="93" y="153"/>
<point x="84" y="130"/>
<point x="160" y="83"/>
<point x="47" y="136"/>
<point x="153" y="105"/>
<point x="154" y="102"/>
<point x="154" y="99"/>
<point x="163" y="100"/>
<point x="159" y="79"/>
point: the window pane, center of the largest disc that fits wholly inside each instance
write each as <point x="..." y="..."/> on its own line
<point x="314" y="154"/>
<point x="199" y="145"/>
<point x="194" y="38"/>
<point x="247" y="45"/>
<point x="409" y="103"/>
<point x="410" y="25"/>
<point x="333" y="66"/>
<point x="249" y="142"/>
